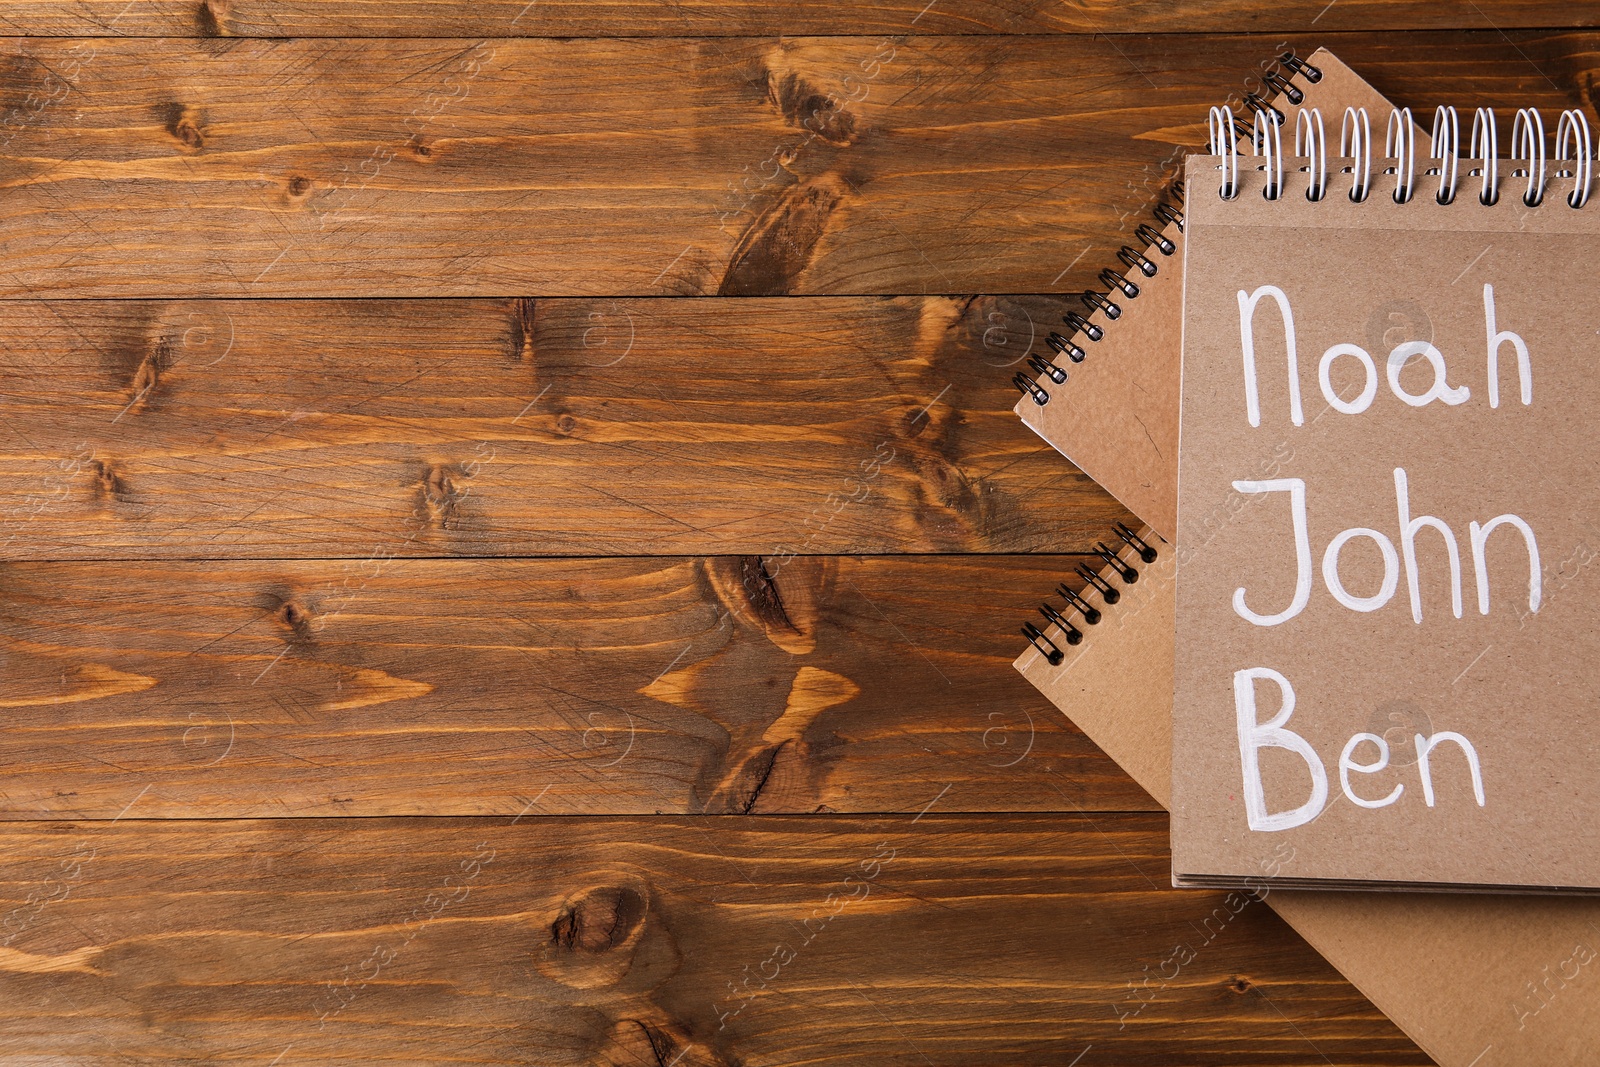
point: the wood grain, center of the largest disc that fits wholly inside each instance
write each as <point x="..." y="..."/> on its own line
<point x="945" y="940"/>
<point x="720" y="18"/>
<point x="250" y="543"/>
<point x="230" y="429"/>
<point x="431" y="687"/>
<point x="828" y="165"/>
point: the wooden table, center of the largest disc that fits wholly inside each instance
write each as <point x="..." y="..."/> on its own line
<point x="515" y="535"/>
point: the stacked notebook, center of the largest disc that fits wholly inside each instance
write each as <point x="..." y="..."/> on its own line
<point x="1359" y="601"/>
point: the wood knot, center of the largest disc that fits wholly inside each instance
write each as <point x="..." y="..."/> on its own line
<point x="916" y="422"/>
<point x="599" y="920"/>
<point x="772" y="776"/>
<point x="762" y="594"/>
<point x="660" y="1040"/>
<point x="108" y="483"/>
<point x="803" y="104"/>
<point x="1240" y="984"/>
<point x="299" y="185"/>
<point x="297" y="617"/>
<point x="186" y="124"/>
<point x="603" y="933"/>
<point x="566" y="424"/>
<point x="145" y="378"/>
<point x="147" y="375"/>
<point x="209" y="15"/>
<point x="522" y="330"/>
<point x="785" y="610"/>
<point x="780" y="243"/>
<point x="441" y="495"/>
<point x="739" y="791"/>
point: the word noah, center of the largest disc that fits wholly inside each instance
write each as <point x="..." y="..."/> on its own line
<point x="1441" y="390"/>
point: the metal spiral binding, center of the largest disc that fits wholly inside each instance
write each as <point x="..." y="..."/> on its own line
<point x="1097" y="301"/>
<point x="1150" y="236"/>
<point x="1126" y="571"/>
<point x="1146" y="266"/>
<point x="1574" y="159"/>
<point x="1156" y="246"/>
<point x="1112" y="280"/>
<point x="1104" y="585"/>
<point x="1031" y="388"/>
<point x="1284" y="88"/>
<point x="1040" y="365"/>
<point x="1093" y="331"/>
<point x="1146" y="550"/>
<point x="1295" y="65"/>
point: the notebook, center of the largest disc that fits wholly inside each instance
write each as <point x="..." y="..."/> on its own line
<point x="1476" y="981"/>
<point x="1106" y="394"/>
<point x="1381" y="523"/>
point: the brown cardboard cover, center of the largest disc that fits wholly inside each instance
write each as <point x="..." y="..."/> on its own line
<point x="1116" y="416"/>
<point x="1378" y="643"/>
<point x="1476" y="981"/>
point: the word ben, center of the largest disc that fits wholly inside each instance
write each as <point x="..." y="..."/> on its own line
<point x="1255" y="735"/>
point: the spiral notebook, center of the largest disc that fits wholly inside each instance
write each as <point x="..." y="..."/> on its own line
<point x="1106" y="395"/>
<point x="1372" y="519"/>
<point x="1477" y="981"/>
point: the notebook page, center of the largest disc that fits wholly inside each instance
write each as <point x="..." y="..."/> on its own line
<point x="1396" y="501"/>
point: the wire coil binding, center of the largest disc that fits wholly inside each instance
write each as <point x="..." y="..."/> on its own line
<point x="1573" y="162"/>
<point x="1154" y="245"/>
<point x="1355" y="144"/>
<point x="1486" y="146"/>
<point x="1400" y="144"/>
<point x="1311" y="141"/>
<point x="1105" y="585"/>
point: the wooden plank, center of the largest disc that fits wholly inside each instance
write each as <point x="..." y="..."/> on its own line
<point x="231" y="429"/>
<point x="732" y="18"/>
<point x="433" y="687"/>
<point x="948" y="940"/>
<point x="739" y="166"/>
